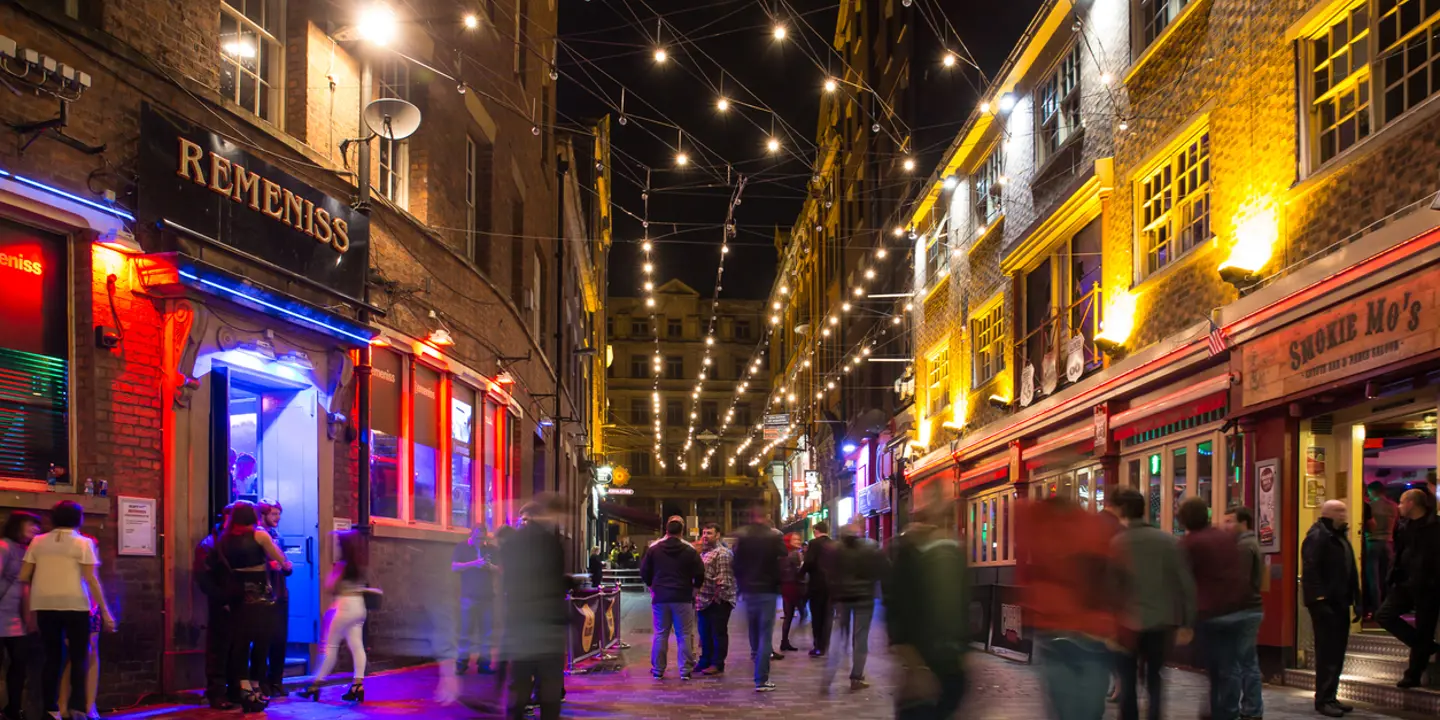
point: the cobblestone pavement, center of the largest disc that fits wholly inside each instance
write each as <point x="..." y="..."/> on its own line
<point x="1000" y="690"/>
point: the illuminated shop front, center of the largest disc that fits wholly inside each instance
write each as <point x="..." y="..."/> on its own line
<point x="35" y="355"/>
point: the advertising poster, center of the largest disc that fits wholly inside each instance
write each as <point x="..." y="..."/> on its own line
<point x="1267" y="502"/>
<point x="584" y="627"/>
<point x="1009" y="638"/>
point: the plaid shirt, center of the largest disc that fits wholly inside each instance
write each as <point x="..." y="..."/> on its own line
<point x="719" y="578"/>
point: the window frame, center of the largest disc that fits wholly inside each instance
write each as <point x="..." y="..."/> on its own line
<point x="472" y="178"/>
<point x="639" y="327"/>
<point x="1003" y="501"/>
<point x="392" y="157"/>
<point x="988" y="323"/>
<point x="270" y="38"/>
<point x="1165" y="448"/>
<point x="1069" y="65"/>
<point x="674" y="360"/>
<point x="1150" y="28"/>
<point x="675" y="328"/>
<point x="988" y="189"/>
<point x="1171" y="170"/>
<point x="937" y="360"/>
<point x="937" y="257"/>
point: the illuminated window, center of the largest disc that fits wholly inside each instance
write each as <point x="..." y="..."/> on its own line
<point x="987" y="535"/>
<point x="1409" y="50"/>
<point x="386" y="393"/>
<point x="1174" y="202"/>
<point x="937" y="373"/>
<point x="1156" y="15"/>
<point x="1340" y="83"/>
<point x="462" y="455"/>
<point x="1058" y="105"/>
<point x="987" y="340"/>
<point x="989" y="184"/>
<point x="937" y="258"/>
<point x="252" y="55"/>
<point x="392" y="80"/>
<point x="34" y="355"/>
<point x="425" y="445"/>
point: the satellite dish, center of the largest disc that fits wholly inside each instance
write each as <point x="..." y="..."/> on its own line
<point x="392" y="118"/>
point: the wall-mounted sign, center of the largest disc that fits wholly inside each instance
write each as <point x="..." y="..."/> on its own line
<point x="137" y="526"/>
<point x="1027" y="385"/>
<point x="1376" y="328"/>
<point x="1267" y="502"/>
<point x="1049" y="372"/>
<point x="33" y="309"/>
<point x="206" y="183"/>
<point x="619" y="491"/>
<point x="1102" y="429"/>
<point x="1074" y="358"/>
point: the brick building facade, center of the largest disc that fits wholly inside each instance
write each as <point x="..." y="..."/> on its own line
<point x="455" y="279"/>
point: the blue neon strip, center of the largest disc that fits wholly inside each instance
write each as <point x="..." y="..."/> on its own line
<point x="264" y="303"/>
<point x="108" y="210"/>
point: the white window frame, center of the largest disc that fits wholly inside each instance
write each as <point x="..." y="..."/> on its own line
<point x="1172" y="204"/>
<point x="392" y="80"/>
<point x="1165" y="448"/>
<point x="937" y="257"/>
<point x="987" y="357"/>
<point x="1003" y="501"/>
<point x="937" y="379"/>
<point x="1057" y="106"/>
<point x="988" y="198"/>
<point x="1155" y="16"/>
<point x="269" y="43"/>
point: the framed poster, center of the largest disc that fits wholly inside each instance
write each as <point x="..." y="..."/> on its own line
<point x="137" y="526"/>
<point x="1267" y="505"/>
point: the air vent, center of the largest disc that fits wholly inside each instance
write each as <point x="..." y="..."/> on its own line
<point x="1322" y="424"/>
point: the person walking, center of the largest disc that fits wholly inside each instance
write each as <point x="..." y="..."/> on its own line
<point x="1072" y="591"/>
<point x="20" y="645"/>
<point x="759" y="551"/>
<point x="1380" y="515"/>
<point x="1159" y="597"/>
<point x="1330" y="584"/>
<point x="274" y="686"/>
<point x="246" y="553"/>
<point x="474" y="561"/>
<point x="672" y="569"/>
<point x="1240" y="522"/>
<point x="857" y="567"/>
<point x="346" y="619"/>
<point x="596" y="567"/>
<point x="817" y="559"/>
<point x="927" y="604"/>
<point x="714" y="602"/>
<point x="222" y="681"/>
<point x="534" y="585"/>
<point x="1222" y="582"/>
<point x="60" y="587"/>
<point x="792" y="589"/>
<point x="1414" y="583"/>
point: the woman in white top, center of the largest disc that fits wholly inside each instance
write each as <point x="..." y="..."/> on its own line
<point x="60" y="588"/>
<point x="347" y="617"/>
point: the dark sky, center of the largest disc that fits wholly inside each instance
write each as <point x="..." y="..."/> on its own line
<point x="608" y="45"/>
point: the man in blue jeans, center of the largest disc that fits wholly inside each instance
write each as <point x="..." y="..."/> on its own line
<point x="759" y="550"/>
<point x="1222" y="584"/>
<point x="1239" y="521"/>
<point x="673" y="570"/>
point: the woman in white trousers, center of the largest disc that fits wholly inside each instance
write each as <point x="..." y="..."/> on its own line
<point x="347" y="618"/>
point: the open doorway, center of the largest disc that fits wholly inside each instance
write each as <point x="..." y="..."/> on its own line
<point x="264" y="415"/>
<point x="1399" y="455"/>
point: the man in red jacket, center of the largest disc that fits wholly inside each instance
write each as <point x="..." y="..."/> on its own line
<point x="1222" y="589"/>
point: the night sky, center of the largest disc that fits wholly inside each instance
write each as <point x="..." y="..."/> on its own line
<point x="610" y="44"/>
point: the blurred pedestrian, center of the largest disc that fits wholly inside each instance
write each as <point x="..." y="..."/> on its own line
<point x="927" y="604"/>
<point x="274" y="686"/>
<point x="60" y="588"/>
<point x="759" y="551"/>
<point x="714" y="602"/>
<point x="474" y="561"/>
<point x="348" y="584"/>
<point x="1159" y="597"/>
<point x="792" y="589"/>
<point x="1330" y="584"/>
<point x="1222" y="590"/>
<point x="92" y="675"/>
<point x="1415" y="583"/>
<point x="245" y="552"/>
<point x="1240" y="522"/>
<point x="534" y="585"/>
<point x="856" y="569"/>
<point x="222" y="680"/>
<point x="19" y="643"/>
<point x="672" y="568"/>
<point x="1380" y="515"/>
<point x="596" y="567"/>
<point x="1072" y="589"/>
<point x="817" y="558"/>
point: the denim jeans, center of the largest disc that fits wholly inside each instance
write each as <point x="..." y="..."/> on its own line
<point x="1220" y="642"/>
<point x="714" y="625"/>
<point x="852" y="624"/>
<point x="1252" y="701"/>
<point x="679" y="617"/>
<point x="1075" y="671"/>
<point x="760" y="622"/>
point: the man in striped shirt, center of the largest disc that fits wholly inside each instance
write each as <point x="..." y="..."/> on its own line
<point x="714" y="601"/>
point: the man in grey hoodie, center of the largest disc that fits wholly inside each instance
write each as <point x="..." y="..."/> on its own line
<point x="1160" y="593"/>
<point x="1238" y="520"/>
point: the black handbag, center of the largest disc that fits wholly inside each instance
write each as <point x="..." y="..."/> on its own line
<point x="239" y="591"/>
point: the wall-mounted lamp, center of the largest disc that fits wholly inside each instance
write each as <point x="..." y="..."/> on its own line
<point x="1119" y="322"/>
<point x="998" y="402"/>
<point x="1255" y="239"/>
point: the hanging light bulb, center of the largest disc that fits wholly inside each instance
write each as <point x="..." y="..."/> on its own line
<point x="774" y="319"/>
<point x="985" y="106"/>
<point x="709" y="339"/>
<point x="649" y="268"/>
<point x="682" y="159"/>
<point x="646" y="246"/>
<point x="880" y="253"/>
<point x="773" y="145"/>
<point x="859" y="291"/>
<point x="778" y="32"/>
<point x="899" y="231"/>
<point x="471" y="21"/>
<point x="722" y="104"/>
<point x="948" y="60"/>
<point x="845" y="306"/>
<point x="1106" y="78"/>
<point x="661" y="56"/>
<point x="784" y="290"/>
<point x="870" y="273"/>
<point x="724" y="249"/>
<point x="909" y="164"/>
<point x="775" y="305"/>
<point x="650" y="302"/>
<point x="649" y="286"/>
<point x="831" y="85"/>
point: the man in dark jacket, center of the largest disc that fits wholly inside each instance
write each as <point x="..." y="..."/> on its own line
<point x="856" y="567"/>
<point x="817" y="559"/>
<point x="222" y="682"/>
<point x="927" y="606"/>
<point x="1414" y="583"/>
<point x="673" y="569"/>
<point x="1330" y="583"/>
<point x="534" y="585"/>
<point x="1222" y="587"/>
<point x="758" y="552"/>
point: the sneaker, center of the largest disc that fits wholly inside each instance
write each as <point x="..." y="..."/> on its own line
<point x="657" y="674"/>
<point x="776" y="656"/>
<point x="712" y="671"/>
<point x="684" y="676"/>
<point x="858" y="685"/>
<point x="766" y="686"/>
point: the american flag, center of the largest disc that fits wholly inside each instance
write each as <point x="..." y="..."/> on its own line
<point x="1216" y="340"/>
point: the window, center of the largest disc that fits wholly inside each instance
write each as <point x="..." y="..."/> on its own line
<point x="989" y="181"/>
<point x="742" y="366"/>
<point x="716" y="466"/>
<point x="639" y="411"/>
<point x="937" y="375"/>
<point x="742" y="329"/>
<point x="1172" y="473"/>
<point x="674" y="328"/>
<point x="425" y="487"/>
<point x="609" y="327"/>
<point x="987" y="333"/>
<point x="479" y="156"/>
<point x="393" y="81"/>
<point x="1175" y="204"/>
<point x="710" y="414"/>
<point x="386" y="401"/>
<point x="640" y="463"/>
<point x="674" y="413"/>
<point x="1340" y="83"/>
<point x="1156" y="15"/>
<point x="522" y="28"/>
<point x="462" y="455"/>
<point x="674" y="367"/>
<point x="987" y="531"/>
<point x="252" y="55"/>
<point x="637" y="366"/>
<point x="1410" y="46"/>
<point x="34" y="356"/>
<point x="742" y="415"/>
<point x="937" y="261"/>
<point x="1059" y="105"/>
<point x="639" y="328"/>
<point x="472" y="162"/>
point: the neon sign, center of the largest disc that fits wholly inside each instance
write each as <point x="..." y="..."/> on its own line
<point x="12" y="261"/>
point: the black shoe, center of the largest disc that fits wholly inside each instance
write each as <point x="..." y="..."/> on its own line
<point x="658" y="675"/>
<point x="776" y="656"/>
<point x="684" y="676"/>
<point x="1408" y="681"/>
<point x="1330" y="710"/>
<point x="787" y="647"/>
<point x="311" y="693"/>
<point x="817" y="653"/>
<point x="356" y="693"/>
<point x="1343" y="707"/>
<point x="251" y="701"/>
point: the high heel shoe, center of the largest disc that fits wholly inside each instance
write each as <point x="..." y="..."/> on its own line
<point x="251" y="701"/>
<point x="311" y="693"/>
<point x="356" y="693"/>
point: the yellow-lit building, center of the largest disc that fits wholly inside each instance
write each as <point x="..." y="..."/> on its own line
<point x="1184" y="247"/>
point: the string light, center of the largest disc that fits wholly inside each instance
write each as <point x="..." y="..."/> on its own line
<point x="471" y="22"/>
<point x="909" y="164"/>
<point x="779" y="32"/>
<point x="661" y="56"/>
<point x="722" y="104"/>
<point x="773" y="145"/>
<point x="948" y="60"/>
<point x="682" y="159"/>
<point x="831" y="85"/>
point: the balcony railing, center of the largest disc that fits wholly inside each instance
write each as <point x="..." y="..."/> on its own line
<point x="1082" y="318"/>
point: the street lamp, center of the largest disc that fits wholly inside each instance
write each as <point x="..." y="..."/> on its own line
<point x="376" y="25"/>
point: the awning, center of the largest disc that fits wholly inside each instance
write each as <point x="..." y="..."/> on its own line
<point x="629" y="515"/>
<point x="1198" y="399"/>
<point x="984" y="474"/>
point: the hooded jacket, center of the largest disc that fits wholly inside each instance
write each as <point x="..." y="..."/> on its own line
<point x="673" y="570"/>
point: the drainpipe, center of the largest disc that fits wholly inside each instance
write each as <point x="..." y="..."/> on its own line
<point x="362" y="368"/>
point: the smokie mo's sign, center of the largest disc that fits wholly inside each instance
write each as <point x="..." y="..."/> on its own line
<point x="1373" y="329"/>
<point x="206" y="183"/>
